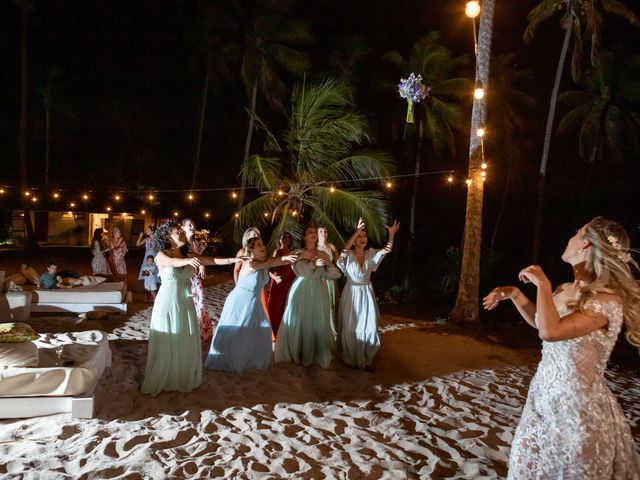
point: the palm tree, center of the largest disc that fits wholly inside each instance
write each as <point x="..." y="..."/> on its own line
<point x="466" y="306"/>
<point x="605" y="112"/>
<point x="441" y="114"/>
<point x="266" y="50"/>
<point x="306" y="175"/>
<point x="26" y="7"/>
<point x="580" y="19"/>
<point x="507" y="103"/>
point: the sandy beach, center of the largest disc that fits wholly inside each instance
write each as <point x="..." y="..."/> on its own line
<point x="439" y="405"/>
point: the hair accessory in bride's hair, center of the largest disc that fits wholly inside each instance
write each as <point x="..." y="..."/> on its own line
<point x="615" y="243"/>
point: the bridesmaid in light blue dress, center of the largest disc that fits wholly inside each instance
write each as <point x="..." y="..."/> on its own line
<point x="305" y="334"/>
<point x="174" y="359"/>
<point x="242" y="339"/>
<point x="358" y="338"/>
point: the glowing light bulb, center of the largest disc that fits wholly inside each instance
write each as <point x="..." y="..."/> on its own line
<point x="389" y="185"/>
<point x="56" y="195"/>
<point x="237" y="215"/>
<point x="108" y="209"/>
<point x="449" y="179"/>
<point x="117" y="197"/>
<point x="332" y="189"/>
<point x="85" y="196"/>
<point x="1" y="191"/>
<point x="472" y="9"/>
<point x="234" y="195"/>
<point x="468" y="182"/>
<point x="294" y="213"/>
<point x="478" y="93"/>
<point x="483" y="174"/>
<point x="150" y="197"/>
<point x="206" y="215"/>
<point x="34" y="199"/>
<point x="175" y="214"/>
<point x="26" y="194"/>
<point x="484" y="166"/>
<point x="480" y="132"/>
<point x="266" y="214"/>
<point x="190" y="197"/>
<point x="143" y="212"/>
<point x="280" y="192"/>
<point x="72" y="204"/>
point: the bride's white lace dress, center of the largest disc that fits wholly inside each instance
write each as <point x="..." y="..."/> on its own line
<point x="572" y="426"/>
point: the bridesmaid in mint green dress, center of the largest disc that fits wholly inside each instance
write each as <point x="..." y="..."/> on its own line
<point x="243" y="336"/>
<point x="174" y="358"/>
<point x="305" y="334"/>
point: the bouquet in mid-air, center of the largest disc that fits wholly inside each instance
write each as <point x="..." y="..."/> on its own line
<point x="414" y="91"/>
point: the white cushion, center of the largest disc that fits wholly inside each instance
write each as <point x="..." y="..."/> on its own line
<point x="23" y="354"/>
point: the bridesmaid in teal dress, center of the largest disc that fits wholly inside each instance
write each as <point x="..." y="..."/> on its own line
<point x="358" y="338"/>
<point x="174" y="361"/>
<point x="305" y="335"/>
<point x="243" y="336"/>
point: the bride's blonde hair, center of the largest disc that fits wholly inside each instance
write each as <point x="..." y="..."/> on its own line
<point x="608" y="270"/>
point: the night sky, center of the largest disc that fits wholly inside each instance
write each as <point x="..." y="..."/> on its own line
<point x="127" y="78"/>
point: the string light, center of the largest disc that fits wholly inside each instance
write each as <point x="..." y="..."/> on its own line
<point x="190" y="197"/>
<point x="85" y="196"/>
<point x="34" y="199"/>
<point x="266" y="214"/>
<point x="389" y="184"/>
<point x="117" y="197"/>
<point x="207" y="215"/>
<point x="234" y="195"/>
<point x="478" y="92"/>
<point x="484" y="165"/>
<point x="294" y="213"/>
<point x="237" y="215"/>
<point x="72" y="205"/>
<point x="468" y="182"/>
<point x="150" y="197"/>
<point x="450" y="178"/>
<point x="175" y="214"/>
<point x="480" y="132"/>
<point x="1" y="191"/>
<point x="143" y="212"/>
<point x="472" y="9"/>
<point x="26" y="194"/>
<point x="280" y="193"/>
<point x="108" y="209"/>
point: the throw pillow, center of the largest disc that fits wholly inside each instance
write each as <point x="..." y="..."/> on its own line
<point x="18" y="355"/>
<point x="17" y="332"/>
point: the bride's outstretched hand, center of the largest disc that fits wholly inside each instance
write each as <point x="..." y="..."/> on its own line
<point x="497" y="295"/>
<point x="533" y="274"/>
<point x="393" y="228"/>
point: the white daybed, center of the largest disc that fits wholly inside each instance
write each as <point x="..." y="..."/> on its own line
<point x="69" y="367"/>
<point x="105" y="296"/>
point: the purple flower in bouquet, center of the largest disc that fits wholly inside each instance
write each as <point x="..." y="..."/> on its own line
<point x="414" y="91"/>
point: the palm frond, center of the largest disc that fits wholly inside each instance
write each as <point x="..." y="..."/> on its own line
<point x="621" y="10"/>
<point x="263" y="172"/>
<point x="253" y="213"/>
<point x="538" y="15"/>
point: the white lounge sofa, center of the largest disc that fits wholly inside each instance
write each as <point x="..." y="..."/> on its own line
<point x="104" y="296"/>
<point x="69" y="367"/>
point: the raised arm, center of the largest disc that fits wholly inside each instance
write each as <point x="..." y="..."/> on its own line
<point x="140" y="240"/>
<point x="551" y="326"/>
<point x="163" y="260"/>
<point x="272" y="262"/>
<point x="352" y="238"/>
<point x="526" y="308"/>
<point x="392" y="229"/>
<point x="218" y="260"/>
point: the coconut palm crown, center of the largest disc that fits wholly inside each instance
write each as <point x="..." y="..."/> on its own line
<point x="314" y="171"/>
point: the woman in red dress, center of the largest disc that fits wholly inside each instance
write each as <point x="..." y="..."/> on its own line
<point x="281" y="279"/>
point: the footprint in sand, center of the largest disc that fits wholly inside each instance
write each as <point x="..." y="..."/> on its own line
<point x="135" y="441"/>
<point x="182" y="438"/>
<point x="110" y="450"/>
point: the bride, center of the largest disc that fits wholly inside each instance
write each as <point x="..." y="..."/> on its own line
<point x="572" y="425"/>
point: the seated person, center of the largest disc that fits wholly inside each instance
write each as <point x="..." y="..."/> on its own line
<point x="50" y="280"/>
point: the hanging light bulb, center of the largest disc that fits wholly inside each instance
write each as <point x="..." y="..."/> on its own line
<point x="72" y="204"/>
<point x="1" y="191"/>
<point x="85" y="196"/>
<point x="34" y="199"/>
<point x="108" y="209"/>
<point x="484" y="166"/>
<point x="294" y="213"/>
<point x="207" y="215"/>
<point x="190" y="197"/>
<point x="150" y="197"/>
<point x="468" y="182"/>
<point x="280" y="193"/>
<point x="117" y="197"/>
<point x="266" y="214"/>
<point x="480" y="132"/>
<point x="26" y="194"/>
<point x="175" y="214"/>
<point x="450" y="178"/>
<point x="143" y="212"/>
<point x="389" y="184"/>
<point x="478" y="92"/>
<point x="234" y="195"/>
<point x="332" y="189"/>
<point x="472" y="9"/>
<point x="237" y="215"/>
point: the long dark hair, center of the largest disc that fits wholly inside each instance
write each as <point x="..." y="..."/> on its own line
<point x="97" y="236"/>
<point x="162" y="233"/>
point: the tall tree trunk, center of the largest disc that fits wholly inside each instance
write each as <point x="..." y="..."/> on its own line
<point x="505" y="196"/>
<point x="542" y="174"/>
<point x="247" y="143"/>
<point x="412" y="215"/>
<point x="47" y="138"/>
<point x="203" y="108"/>
<point x="466" y="306"/>
<point x="31" y="242"/>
